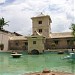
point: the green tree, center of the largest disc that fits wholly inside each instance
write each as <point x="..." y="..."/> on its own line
<point x="2" y="23"/>
<point x="73" y="33"/>
<point x="73" y="29"/>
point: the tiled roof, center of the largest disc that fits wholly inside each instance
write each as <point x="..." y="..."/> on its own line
<point x="5" y="31"/>
<point x="18" y="38"/>
<point x="17" y="34"/>
<point x="41" y="15"/>
<point x="60" y="35"/>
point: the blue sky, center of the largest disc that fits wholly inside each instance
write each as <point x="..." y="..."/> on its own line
<point x="19" y="13"/>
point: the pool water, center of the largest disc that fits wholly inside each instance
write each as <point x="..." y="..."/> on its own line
<point x="33" y="63"/>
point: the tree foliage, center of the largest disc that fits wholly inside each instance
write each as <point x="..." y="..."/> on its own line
<point x="2" y="23"/>
<point x="73" y="29"/>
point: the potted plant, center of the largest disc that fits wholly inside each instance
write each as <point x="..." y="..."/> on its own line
<point x="1" y="46"/>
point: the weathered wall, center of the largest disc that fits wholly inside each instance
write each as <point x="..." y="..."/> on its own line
<point x="63" y="43"/>
<point x="18" y="45"/>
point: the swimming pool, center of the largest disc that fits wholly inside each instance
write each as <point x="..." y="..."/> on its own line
<point x="33" y="63"/>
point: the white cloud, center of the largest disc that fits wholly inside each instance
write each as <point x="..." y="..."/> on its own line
<point x="20" y="12"/>
<point x="2" y="1"/>
<point x="60" y="23"/>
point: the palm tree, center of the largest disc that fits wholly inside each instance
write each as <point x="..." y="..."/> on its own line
<point x="2" y="23"/>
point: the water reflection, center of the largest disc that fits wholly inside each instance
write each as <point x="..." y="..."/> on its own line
<point x="73" y="66"/>
<point x="31" y="63"/>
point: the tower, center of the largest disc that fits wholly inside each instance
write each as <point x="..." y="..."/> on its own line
<point x="41" y="24"/>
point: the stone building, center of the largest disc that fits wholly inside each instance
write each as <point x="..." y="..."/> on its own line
<point x="42" y="25"/>
<point x="36" y="43"/>
<point x="5" y="37"/>
<point x="60" y="41"/>
<point x="18" y="43"/>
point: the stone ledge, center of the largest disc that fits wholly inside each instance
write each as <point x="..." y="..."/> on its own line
<point x="49" y="73"/>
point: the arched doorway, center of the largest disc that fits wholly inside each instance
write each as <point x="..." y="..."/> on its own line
<point x="34" y="51"/>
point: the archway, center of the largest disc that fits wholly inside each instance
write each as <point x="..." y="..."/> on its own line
<point x="34" y="51"/>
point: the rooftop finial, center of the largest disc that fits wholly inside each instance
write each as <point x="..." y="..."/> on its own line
<point x="41" y="13"/>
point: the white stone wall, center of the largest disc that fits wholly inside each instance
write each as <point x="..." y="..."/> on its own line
<point x="4" y="38"/>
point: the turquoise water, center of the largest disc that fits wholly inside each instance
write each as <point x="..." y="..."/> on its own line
<point x="31" y="63"/>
